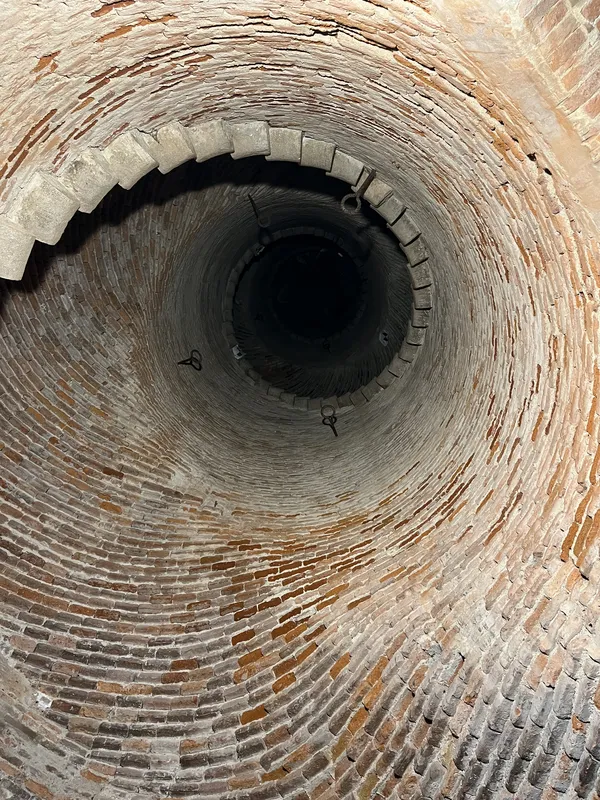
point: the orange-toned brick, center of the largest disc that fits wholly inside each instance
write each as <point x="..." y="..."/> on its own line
<point x="273" y="603"/>
<point x="283" y="629"/>
<point x="577" y="724"/>
<point x="249" y="670"/>
<point x="113" y="508"/>
<point x="306" y="653"/>
<point x="253" y="714"/>
<point x="295" y="632"/>
<point x="377" y="670"/>
<point x="284" y="666"/>
<point x="358" y="720"/>
<point x="249" y="658"/>
<point x="137" y="688"/>
<point x="322" y="791"/>
<point x="371" y="697"/>
<point x="275" y="775"/>
<point x="284" y="682"/>
<point x="339" y="665"/>
<point x="244" y="636"/>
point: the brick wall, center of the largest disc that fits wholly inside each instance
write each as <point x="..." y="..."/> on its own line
<point x="566" y="34"/>
<point x="202" y="593"/>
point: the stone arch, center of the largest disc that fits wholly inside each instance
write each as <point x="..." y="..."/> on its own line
<point x="44" y="207"/>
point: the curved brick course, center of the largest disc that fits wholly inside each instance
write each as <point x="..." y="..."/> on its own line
<point x="201" y="594"/>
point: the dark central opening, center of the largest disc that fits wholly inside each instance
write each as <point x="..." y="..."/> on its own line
<point x="318" y="298"/>
<point x="312" y="287"/>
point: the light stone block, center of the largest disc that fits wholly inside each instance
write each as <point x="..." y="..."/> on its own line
<point x="416" y="252"/>
<point x="358" y="399"/>
<point x="420" y="275"/>
<point x="210" y="139"/>
<point x="371" y="389"/>
<point x="172" y="147"/>
<point x="15" y="247"/>
<point x="408" y="352"/>
<point x="129" y="159"/>
<point x="421" y="318"/>
<point x="391" y="208"/>
<point x="397" y="367"/>
<point x="376" y="192"/>
<point x="316" y="153"/>
<point x="249" y="139"/>
<point x="415" y="336"/>
<point x="43" y="208"/>
<point x="346" y="168"/>
<point x="405" y="229"/>
<point x="285" y="144"/>
<point x="423" y="298"/>
<point x="89" y="178"/>
<point x="385" y="378"/>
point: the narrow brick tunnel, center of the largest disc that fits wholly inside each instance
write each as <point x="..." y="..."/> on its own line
<point x="384" y="211"/>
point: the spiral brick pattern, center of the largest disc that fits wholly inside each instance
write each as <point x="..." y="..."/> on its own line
<point x="202" y="594"/>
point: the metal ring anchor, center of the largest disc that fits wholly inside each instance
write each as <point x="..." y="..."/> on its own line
<point x="352" y="203"/>
<point x="329" y="418"/>
<point x="195" y="360"/>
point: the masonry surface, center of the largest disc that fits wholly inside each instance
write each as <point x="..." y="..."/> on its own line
<point x="203" y="594"/>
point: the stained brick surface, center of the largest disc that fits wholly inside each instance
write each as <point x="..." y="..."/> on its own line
<point x="200" y="594"/>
